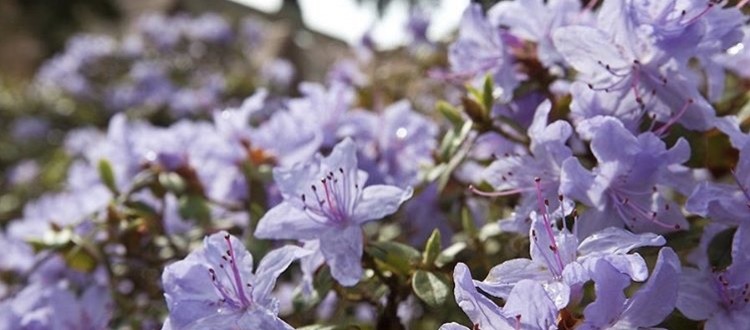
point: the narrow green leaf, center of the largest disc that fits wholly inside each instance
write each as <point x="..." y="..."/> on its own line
<point x="467" y="221"/>
<point x="487" y="98"/>
<point x="107" y="175"/>
<point x="450" y="113"/>
<point x="432" y="248"/>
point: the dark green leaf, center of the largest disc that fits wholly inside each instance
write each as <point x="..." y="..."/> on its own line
<point x="194" y="207"/>
<point x="487" y="98"/>
<point x="396" y="257"/>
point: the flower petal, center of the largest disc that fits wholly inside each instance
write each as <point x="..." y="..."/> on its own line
<point x="617" y="241"/>
<point x="655" y="300"/>
<point x="269" y="269"/>
<point x="342" y="249"/>
<point x="285" y="221"/>
<point x="378" y="201"/>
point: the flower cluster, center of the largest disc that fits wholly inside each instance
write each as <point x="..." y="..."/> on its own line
<point x="586" y="167"/>
<point x="176" y="65"/>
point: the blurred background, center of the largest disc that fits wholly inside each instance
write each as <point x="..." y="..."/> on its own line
<point x="71" y="64"/>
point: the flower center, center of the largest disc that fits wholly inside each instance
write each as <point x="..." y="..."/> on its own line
<point x="336" y="196"/>
<point x="555" y="265"/>
<point x="228" y="281"/>
<point x="733" y="297"/>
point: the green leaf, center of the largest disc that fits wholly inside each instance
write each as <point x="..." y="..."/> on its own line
<point x="432" y="248"/>
<point x="450" y="253"/>
<point x="396" y="257"/>
<point x="450" y="113"/>
<point x="430" y="288"/>
<point x="194" y="207"/>
<point x="173" y="182"/>
<point x="107" y="175"/>
<point x="467" y="221"/>
<point x="487" y="98"/>
<point x="475" y="110"/>
<point x="78" y="259"/>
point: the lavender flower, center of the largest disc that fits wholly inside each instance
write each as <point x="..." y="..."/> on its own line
<point x="215" y="287"/>
<point x="649" y="306"/>
<point x="725" y="203"/>
<point x="326" y="200"/>
<point x="535" y="20"/>
<point x="323" y="108"/>
<point x="481" y="50"/>
<point x="44" y="306"/>
<point x="563" y="264"/>
<point x="719" y="296"/>
<point x="512" y="174"/>
<point x="620" y="59"/>
<point x="623" y="190"/>
<point x="528" y="306"/>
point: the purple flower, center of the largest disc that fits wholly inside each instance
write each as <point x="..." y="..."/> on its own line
<point x="395" y="145"/>
<point x="725" y="203"/>
<point x="66" y="71"/>
<point x="278" y="73"/>
<point x="535" y="20"/>
<point x="563" y="264"/>
<point x="719" y="296"/>
<point x="481" y="50"/>
<point x="528" y="306"/>
<point x="323" y="109"/>
<point x="649" y="306"/>
<point x="623" y="189"/>
<point x="326" y="200"/>
<point x="622" y="59"/>
<point x="417" y="25"/>
<point x="512" y="174"/>
<point x="209" y="27"/>
<point x="737" y="57"/>
<point x="54" y="306"/>
<point x="215" y="287"/>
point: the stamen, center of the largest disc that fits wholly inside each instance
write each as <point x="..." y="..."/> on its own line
<point x="661" y="130"/>
<point x="548" y="226"/>
<point x="236" y="271"/>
